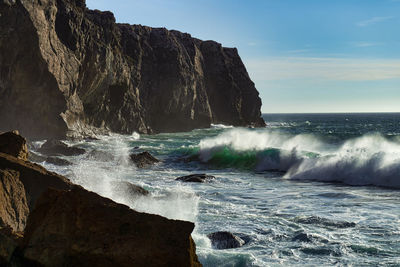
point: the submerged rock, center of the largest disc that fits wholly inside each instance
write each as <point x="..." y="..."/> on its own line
<point x="196" y="178"/>
<point x="14" y="144"/>
<point x="56" y="147"/>
<point x="100" y="232"/>
<point x="124" y="188"/>
<point x="143" y="159"/>
<point x="225" y="240"/>
<point x="100" y="155"/>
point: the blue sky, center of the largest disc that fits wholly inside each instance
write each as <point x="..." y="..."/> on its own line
<point x="303" y="55"/>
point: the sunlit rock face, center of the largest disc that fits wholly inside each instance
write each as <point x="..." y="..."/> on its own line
<point x="67" y="70"/>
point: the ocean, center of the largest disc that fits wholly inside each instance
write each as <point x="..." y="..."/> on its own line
<point x="307" y="190"/>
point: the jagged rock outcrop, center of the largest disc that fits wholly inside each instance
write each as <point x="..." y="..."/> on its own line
<point x="143" y="159"/>
<point x="81" y="228"/>
<point x="14" y="144"/>
<point x="68" y="70"/>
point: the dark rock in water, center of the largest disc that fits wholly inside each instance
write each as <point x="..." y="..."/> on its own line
<point x="58" y="161"/>
<point x="56" y="147"/>
<point x="224" y="240"/>
<point x="302" y="237"/>
<point x="81" y="228"/>
<point x="119" y="188"/>
<point x="196" y="178"/>
<point x="100" y="155"/>
<point x="52" y="160"/>
<point x="70" y="71"/>
<point x="14" y="144"/>
<point x="143" y="159"/>
<point x="324" y="222"/>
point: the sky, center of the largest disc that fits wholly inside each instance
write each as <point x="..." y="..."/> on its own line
<point x="303" y="55"/>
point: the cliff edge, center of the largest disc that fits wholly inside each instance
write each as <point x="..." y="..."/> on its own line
<point x="66" y="70"/>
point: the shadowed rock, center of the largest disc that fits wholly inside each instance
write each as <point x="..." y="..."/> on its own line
<point x="52" y="160"/>
<point x="225" y="240"/>
<point x="100" y="232"/>
<point x="56" y="147"/>
<point x="100" y="155"/>
<point x="143" y="159"/>
<point x="14" y="144"/>
<point x="196" y="178"/>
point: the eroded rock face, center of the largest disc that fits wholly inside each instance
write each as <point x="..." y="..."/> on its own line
<point x="81" y="228"/>
<point x="68" y="70"/>
<point x="14" y="144"/>
<point x="13" y="204"/>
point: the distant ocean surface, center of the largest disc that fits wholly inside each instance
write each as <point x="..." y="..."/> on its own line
<point x="307" y="190"/>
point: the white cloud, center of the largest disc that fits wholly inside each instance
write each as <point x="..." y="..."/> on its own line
<point x="373" y="20"/>
<point x="322" y="69"/>
<point x="365" y="44"/>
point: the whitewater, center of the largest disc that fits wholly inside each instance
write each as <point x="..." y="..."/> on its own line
<point x="309" y="189"/>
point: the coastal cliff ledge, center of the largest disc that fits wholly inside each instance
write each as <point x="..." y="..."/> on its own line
<point x="66" y="70"/>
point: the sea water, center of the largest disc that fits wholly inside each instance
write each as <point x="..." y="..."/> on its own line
<point x="309" y="189"/>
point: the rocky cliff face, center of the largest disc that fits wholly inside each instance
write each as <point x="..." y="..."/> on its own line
<point x="68" y="70"/>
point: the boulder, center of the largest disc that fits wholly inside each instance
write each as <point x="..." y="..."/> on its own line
<point x="14" y="144"/>
<point x="143" y="159"/>
<point x="224" y="240"/>
<point x="124" y="188"/>
<point x="13" y="204"/>
<point x="56" y="147"/>
<point x="196" y="178"/>
<point x="80" y="228"/>
<point x="34" y="177"/>
<point x="52" y="160"/>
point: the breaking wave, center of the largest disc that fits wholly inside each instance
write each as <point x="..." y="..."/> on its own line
<point x="371" y="159"/>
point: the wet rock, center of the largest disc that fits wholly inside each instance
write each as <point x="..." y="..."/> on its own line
<point x="52" y="160"/>
<point x="225" y="240"/>
<point x="14" y="144"/>
<point x="196" y="178"/>
<point x="100" y="155"/>
<point x="56" y="147"/>
<point x="13" y="203"/>
<point x="143" y="159"/>
<point x="100" y="232"/>
<point x="302" y="237"/>
<point x="124" y="188"/>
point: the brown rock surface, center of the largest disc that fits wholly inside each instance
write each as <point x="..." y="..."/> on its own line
<point x="14" y="144"/>
<point x="14" y="209"/>
<point x="68" y="70"/>
<point x="81" y="228"/>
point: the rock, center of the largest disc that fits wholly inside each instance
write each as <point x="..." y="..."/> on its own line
<point x="14" y="144"/>
<point x="196" y="178"/>
<point x="302" y="237"/>
<point x="36" y="157"/>
<point x="81" y="228"/>
<point x="224" y="240"/>
<point x="35" y="178"/>
<point x="13" y="204"/>
<point x="100" y="155"/>
<point x="143" y="159"/>
<point x="56" y="147"/>
<point x="8" y="244"/>
<point x="52" y="160"/>
<point x="70" y="71"/>
<point x="127" y="189"/>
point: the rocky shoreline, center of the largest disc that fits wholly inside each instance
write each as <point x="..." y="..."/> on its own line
<point x="67" y="71"/>
<point x="45" y="220"/>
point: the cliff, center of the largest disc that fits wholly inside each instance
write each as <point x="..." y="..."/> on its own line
<point x="66" y="70"/>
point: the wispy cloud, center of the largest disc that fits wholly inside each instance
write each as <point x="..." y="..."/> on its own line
<point x="365" y="44"/>
<point x="373" y="20"/>
<point x="323" y="69"/>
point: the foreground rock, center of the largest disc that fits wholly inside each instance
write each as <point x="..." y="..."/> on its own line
<point x="143" y="159"/>
<point x="196" y="178"/>
<point x="68" y="70"/>
<point x="225" y="240"/>
<point x="14" y="144"/>
<point x="56" y="147"/>
<point x="100" y="232"/>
